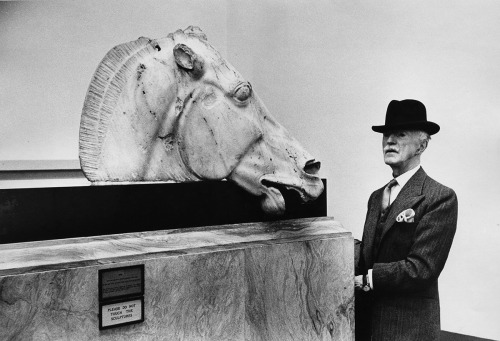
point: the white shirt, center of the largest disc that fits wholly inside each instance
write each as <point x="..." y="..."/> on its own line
<point x="402" y="180"/>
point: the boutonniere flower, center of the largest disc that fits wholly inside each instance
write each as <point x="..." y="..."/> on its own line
<point x="407" y="216"/>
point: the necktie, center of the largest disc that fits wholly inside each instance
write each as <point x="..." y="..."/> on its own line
<point x="386" y="196"/>
<point x="385" y="208"/>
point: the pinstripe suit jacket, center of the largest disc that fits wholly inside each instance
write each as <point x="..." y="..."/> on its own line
<point x="406" y="261"/>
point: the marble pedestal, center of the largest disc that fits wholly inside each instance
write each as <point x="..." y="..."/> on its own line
<point x="285" y="280"/>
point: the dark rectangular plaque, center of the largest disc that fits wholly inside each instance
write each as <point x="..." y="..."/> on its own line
<point x="123" y="282"/>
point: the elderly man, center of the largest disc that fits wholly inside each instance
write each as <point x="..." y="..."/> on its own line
<point x="407" y="236"/>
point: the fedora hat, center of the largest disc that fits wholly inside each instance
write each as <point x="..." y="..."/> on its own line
<point x="407" y="114"/>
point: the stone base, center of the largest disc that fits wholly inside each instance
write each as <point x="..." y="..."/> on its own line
<point x="286" y="280"/>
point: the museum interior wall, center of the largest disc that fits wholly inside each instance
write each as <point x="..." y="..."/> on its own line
<point x="326" y="70"/>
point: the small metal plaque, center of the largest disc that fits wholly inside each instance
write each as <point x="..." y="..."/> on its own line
<point x="121" y="313"/>
<point x="123" y="282"/>
<point x="121" y="296"/>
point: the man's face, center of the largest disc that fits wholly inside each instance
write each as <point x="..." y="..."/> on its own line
<point x="400" y="148"/>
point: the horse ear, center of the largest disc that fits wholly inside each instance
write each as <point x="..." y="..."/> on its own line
<point x="184" y="56"/>
<point x="187" y="59"/>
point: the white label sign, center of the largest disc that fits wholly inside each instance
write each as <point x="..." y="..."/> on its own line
<point x="121" y="313"/>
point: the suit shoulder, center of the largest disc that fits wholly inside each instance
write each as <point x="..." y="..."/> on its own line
<point x="434" y="187"/>
<point x="375" y="192"/>
<point x="374" y="195"/>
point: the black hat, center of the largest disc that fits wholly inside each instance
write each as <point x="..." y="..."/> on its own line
<point x="407" y="114"/>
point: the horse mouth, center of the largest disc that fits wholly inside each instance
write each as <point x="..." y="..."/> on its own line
<point x="278" y="191"/>
<point x="284" y="188"/>
<point x="308" y="187"/>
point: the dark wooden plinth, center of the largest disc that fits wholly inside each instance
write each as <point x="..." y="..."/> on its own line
<point x="66" y="212"/>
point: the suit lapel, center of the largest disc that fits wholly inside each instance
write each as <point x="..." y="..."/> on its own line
<point x="409" y="196"/>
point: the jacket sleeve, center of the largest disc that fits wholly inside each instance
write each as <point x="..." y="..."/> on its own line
<point x="359" y="264"/>
<point x="357" y="254"/>
<point x="433" y="238"/>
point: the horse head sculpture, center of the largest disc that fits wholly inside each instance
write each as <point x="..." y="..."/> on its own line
<point x="174" y="109"/>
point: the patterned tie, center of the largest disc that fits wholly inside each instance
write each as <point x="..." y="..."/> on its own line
<point x="386" y="196"/>
<point x="383" y="215"/>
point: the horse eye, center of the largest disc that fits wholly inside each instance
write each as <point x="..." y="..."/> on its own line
<point x="243" y="92"/>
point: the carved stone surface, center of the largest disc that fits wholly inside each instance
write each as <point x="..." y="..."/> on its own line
<point x="174" y="109"/>
<point x="290" y="280"/>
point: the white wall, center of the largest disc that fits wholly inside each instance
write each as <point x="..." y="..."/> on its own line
<point x="49" y="51"/>
<point x="326" y="70"/>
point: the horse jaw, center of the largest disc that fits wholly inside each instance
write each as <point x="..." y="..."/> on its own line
<point x="268" y="180"/>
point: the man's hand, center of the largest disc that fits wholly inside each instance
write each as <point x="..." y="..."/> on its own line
<point x="358" y="282"/>
<point x="359" y="285"/>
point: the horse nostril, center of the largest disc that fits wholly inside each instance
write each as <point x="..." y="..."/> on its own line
<point x="312" y="167"/>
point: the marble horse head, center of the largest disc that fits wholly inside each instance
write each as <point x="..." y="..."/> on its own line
<point x="174" y="109"/>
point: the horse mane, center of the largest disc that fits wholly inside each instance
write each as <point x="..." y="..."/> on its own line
<point x="104" y="91"/>
<point x="107" y="84"/>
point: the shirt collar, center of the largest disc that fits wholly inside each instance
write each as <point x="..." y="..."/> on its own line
<point x="405" y="177"/>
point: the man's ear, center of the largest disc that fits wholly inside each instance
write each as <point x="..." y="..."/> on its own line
<point x="187" y="59"/>
<point x="422" y="147"/>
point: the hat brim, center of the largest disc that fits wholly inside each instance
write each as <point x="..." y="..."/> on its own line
<point x="429" y="127"/>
